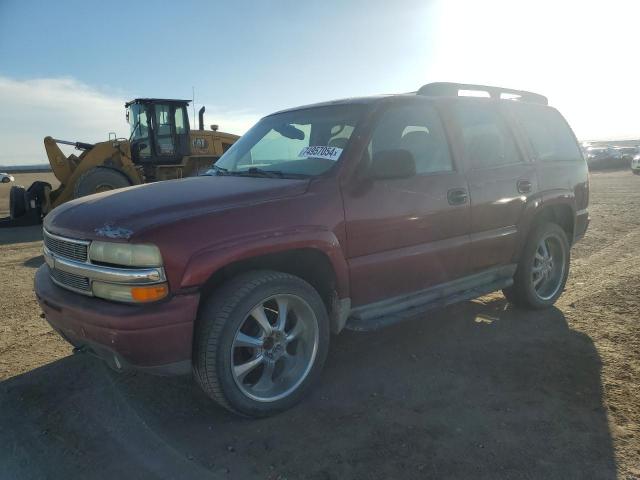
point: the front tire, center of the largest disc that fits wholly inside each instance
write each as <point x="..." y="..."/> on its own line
<point x="260" y="343"/>
<point x="543" y="268"/>
<point x="99" y="179"/>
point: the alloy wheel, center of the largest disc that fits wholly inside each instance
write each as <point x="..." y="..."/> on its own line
<point x="548" y="267"/>
<point x="274" y="348"/>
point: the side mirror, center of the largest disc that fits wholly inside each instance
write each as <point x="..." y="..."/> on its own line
<point x="390" y="164"/>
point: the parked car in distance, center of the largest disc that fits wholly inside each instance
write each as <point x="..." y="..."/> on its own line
<point x="602" y="157"/>
<point x="635" y="164"/>
<point x="627" y="153"/>
<point x="6" y="178"/>
<point x="354" y="214"/>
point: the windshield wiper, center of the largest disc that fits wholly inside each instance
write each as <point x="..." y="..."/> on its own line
<point x="220" y="170"/>
<point x="215" y="170"/>
<point x="256" y="172"/>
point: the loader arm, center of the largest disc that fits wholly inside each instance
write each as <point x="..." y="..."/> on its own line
<point x="60" y="164"/>
<point x="68" y="170"/>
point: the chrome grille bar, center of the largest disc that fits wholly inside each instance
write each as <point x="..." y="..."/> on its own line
<point x="72" y="282"/>
<point x="66" y="247"/>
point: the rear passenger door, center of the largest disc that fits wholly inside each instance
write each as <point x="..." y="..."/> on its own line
<point x="407" y="234"/>
<point x="500" y="177"/>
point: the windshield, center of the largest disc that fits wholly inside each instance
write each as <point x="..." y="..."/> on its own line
<point x="299" y="143"/>
<point x="138" y="124"/>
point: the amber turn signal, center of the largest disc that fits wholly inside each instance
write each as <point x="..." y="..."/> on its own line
<point x="149" y="293"/>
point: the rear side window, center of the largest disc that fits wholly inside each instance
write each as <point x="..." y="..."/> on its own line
<point x="550" y="137"/>
<point x="486" y="138"/>
<point x="418" y="129"/>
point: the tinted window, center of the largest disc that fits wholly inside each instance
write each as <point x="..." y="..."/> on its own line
<point x="549" y="135"/>
<point x="486" y="137"/>
<point x="416" y="128"/>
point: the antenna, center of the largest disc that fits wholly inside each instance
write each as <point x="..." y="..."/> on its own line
<point x="193" y="103"/>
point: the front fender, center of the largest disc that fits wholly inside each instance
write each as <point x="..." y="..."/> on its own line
<point x="206" y="262"/>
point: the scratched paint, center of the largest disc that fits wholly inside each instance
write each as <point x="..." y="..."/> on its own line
<point x="111" y="231"/>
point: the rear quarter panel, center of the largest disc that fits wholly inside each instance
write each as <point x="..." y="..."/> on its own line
<point x="560" y="182"/>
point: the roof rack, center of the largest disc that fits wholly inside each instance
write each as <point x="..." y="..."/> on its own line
<point x="448" y="89"/>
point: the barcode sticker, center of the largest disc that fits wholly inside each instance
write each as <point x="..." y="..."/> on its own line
<point x="328" y="153"/>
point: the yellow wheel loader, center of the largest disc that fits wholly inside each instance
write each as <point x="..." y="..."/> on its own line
<point x="160" y="147"/>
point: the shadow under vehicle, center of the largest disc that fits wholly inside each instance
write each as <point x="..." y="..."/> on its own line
<point x="478" y="390"/>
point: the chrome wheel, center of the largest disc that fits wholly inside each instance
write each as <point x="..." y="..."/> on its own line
<point x="547" y="272"/>
<point x="274" y="348"/>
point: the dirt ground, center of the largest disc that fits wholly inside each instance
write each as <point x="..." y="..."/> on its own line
<point x="478" y="390"/>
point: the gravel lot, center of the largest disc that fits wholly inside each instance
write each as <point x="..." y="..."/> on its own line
<point x="478" y="390"/>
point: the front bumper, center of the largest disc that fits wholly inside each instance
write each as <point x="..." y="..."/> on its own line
<point x="153" y="337"/>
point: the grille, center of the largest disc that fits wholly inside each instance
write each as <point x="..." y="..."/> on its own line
<point x="71" y="280"/>
<point x="66" y="248"/>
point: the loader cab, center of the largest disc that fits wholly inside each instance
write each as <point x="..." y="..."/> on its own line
<point x="159" y="130"/>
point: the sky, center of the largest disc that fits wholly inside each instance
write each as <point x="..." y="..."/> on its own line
<point x="66" y="68"/>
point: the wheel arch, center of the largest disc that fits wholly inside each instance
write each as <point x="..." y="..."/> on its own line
<point x="310" y="264"/>
<point x="558" y="209"/>
<point x="561" y="213"/>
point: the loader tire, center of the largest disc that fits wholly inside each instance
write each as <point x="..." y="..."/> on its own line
<point x="17" y="201"/>
<point x="99" y="179"/>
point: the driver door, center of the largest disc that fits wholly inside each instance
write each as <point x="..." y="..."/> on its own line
<point x="171" y="133"/>
<point x="408" y="234"/>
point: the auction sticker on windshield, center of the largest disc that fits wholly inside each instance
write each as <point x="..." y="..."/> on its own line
<point x="328" y="153"/>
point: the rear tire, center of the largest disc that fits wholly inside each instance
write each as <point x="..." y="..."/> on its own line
<point x="543" y="268"/>
<point x="99" y="179"/>
<point x="260" y="366"/>
<point x="17" y="201"/>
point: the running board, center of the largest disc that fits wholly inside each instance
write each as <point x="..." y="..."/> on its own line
<point x="370" y="322"/>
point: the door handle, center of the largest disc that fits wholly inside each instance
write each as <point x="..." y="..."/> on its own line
<point x="524" y="186"/>
<point x="457" y="196"/>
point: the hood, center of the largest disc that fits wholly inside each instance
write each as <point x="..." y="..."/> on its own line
<point x="120" y="214"/>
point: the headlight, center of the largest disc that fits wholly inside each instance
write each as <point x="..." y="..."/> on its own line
<point x="125" y="254"/>
<point x="130" y="293"/>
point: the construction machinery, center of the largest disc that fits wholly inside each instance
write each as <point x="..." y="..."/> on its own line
<point x="161" y="146"/>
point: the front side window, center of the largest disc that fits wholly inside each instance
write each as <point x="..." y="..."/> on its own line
<point x="304" y="142"/>
<point x="548" y="133"/>
<point x="138" y="121"/>
<point x="139" y="124"/>
<point x="486" y="138"/>
<point x="418" y="129"/>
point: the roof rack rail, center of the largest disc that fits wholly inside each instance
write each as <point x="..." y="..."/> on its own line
<point x="448" y="89"/>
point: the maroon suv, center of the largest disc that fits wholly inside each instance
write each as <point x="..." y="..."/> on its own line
<point x="348" y="214"/>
